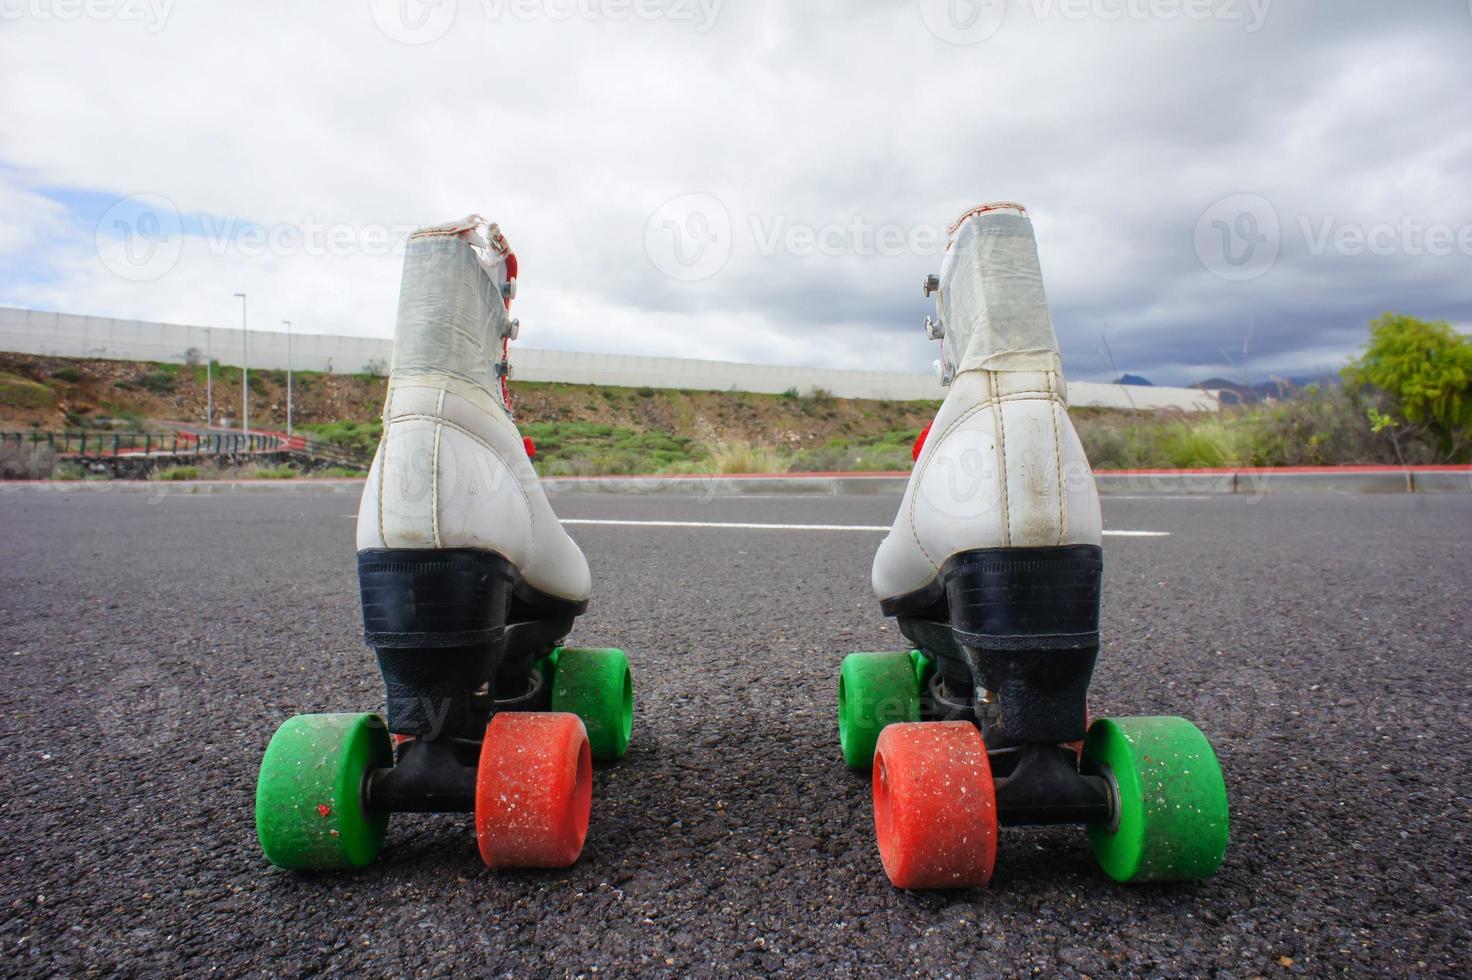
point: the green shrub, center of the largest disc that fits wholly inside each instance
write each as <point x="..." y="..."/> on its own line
<point x="1322" y="425"/>
<point x="178" y="473"/>
<point x="597" y="448"/>
<point x="348" y="434"/>
<point x="283" y="472"/>
<point x="1414" y="382"/>
<point x="158" y="382"/>
<point x="18" y="392"/>
<point x="888" y="452"/>
<point x="743" y="457"/>
<point x="68" y="374"/>
<point x="1202" y="444"/>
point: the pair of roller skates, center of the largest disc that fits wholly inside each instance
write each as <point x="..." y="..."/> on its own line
<point x="469" y="584"/>
<point x="993" y="570"/>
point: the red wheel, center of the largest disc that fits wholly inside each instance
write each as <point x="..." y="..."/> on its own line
<point x="534" y="790"/>
<point x="935" y="812"/>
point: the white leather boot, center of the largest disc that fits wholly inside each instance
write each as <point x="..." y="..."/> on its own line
<point x="993" y="570"/>
<point x="468" y="585"/>
<point x="456" y="539"/>
<point x="997" y="537"/>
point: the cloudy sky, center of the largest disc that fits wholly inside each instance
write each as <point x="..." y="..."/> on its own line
<point x="1220" y="187"/>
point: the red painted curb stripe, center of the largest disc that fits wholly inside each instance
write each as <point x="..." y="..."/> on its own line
<point x="864" y="475"/>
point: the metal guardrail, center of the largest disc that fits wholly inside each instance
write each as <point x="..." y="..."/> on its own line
<point x="179" y="443"/>
<point x="113" y="443"/>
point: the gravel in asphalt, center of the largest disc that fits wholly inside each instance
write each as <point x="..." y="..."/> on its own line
<point x="153" y="641"/>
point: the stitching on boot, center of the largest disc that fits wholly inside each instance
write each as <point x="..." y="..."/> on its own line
<point x="434" y="471"/>
<point x="510" y="471"/>
<point x="916" y="535"/>
<point x="990" y="401"/>
<point x="388" y="408"/>
<point x="1001" y="427"/>
<point x="923" y="465"/>
<point x="1030" y="395"/>
<point x="1058" y="463"/>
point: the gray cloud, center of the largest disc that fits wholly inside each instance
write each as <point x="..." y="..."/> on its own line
<point x="825" y="117"/>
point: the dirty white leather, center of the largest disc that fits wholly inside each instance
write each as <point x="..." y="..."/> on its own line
<point x="1002" y="466"/>
<point x="451" y="470"/>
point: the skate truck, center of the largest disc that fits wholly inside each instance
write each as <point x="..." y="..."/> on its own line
<point x="993" y="570"/>
<point x="468" y="584"/>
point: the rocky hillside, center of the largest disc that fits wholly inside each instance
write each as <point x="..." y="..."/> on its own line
<point x="676" y="426"/>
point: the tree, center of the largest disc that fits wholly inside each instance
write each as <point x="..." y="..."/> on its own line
<point x="1415" y="380"/>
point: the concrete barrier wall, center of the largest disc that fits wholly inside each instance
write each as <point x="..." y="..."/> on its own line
<point x="69" y="335"/>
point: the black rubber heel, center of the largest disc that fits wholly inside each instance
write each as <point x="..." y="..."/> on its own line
<point x="1030" y="619"/>
<point x="437" y="620"/>
<point x="451" y="598"/>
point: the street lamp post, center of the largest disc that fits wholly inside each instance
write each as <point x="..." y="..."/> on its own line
<point x="288" y="377"/>
<point x="244" y="371"/>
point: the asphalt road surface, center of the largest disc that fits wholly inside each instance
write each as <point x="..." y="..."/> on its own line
<point x="151" y="644"/>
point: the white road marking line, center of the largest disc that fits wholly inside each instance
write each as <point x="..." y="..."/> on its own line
<point x="1152" y="497"/>
<point x="604" y="522"/>
<point x="728" y="524"/>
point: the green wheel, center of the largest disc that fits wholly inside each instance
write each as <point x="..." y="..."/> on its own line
<point x="874" y="690"/>
<point x="309" y="800"/>
<point x="1170" y="820"/>
<point x="598" y="687"/>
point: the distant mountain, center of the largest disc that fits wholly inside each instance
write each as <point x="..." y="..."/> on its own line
<point x="1236" y="393"/>
<point x="1133" y="379"/>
